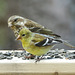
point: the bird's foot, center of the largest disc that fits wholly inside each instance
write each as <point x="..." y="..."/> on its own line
<point x="38" y="58"/>
<point x="30" y="57"/>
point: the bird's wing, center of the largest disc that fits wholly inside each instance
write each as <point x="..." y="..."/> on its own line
<point x="31" y="24"/>
<point x="42" y="41"/>
<point x="37" y="28"/>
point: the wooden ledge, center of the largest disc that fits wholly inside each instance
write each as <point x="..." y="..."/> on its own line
<point x="18" y="66"/>
<point x="37" y="69"/>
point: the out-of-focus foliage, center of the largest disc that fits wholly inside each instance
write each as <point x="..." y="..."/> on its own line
<point x="3" y="8"/>
<point x="57" y="15"/>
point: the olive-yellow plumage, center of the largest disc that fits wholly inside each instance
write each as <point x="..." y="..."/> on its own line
<point x="29" y="40"/>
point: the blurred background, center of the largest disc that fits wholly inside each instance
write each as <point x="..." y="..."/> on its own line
<point x="57" y="15"/>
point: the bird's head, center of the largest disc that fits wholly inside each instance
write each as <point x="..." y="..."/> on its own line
<point x="24" y="34"/>
<point x="16" y="21"/>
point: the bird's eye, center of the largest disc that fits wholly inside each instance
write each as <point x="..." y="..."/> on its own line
<point x="15" y="19"/>
<point x="23" y="34"/>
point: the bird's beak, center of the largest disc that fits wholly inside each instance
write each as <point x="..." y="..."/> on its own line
<point x="18" y="37"/>
<point x="9" y="24"/>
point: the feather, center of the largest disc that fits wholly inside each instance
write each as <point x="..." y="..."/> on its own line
<point x="67" y="43"/>
<point x="44" y="31"/>
<point x="47" y="42"/>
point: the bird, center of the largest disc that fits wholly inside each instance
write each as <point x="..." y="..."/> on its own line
<point x="35" y="43"/>
<point x="17" y="23"/>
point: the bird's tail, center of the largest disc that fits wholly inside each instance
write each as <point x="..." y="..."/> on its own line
<point x="67" y="43"/>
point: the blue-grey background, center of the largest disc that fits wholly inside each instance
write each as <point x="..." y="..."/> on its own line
<point x="57" y="15"/>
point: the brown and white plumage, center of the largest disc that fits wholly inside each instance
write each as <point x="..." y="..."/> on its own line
<point x="17" y="22"/>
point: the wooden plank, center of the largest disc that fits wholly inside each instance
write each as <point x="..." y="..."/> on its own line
<point x="37" y="69"/>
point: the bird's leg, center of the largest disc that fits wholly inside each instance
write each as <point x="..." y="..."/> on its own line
<point x="38" y="58"/>
<point x="30" y="57"/>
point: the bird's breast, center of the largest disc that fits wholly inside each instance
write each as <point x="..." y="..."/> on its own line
<point x="37" y="50"/>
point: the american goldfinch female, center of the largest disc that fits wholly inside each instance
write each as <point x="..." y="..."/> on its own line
<point x="35" y="43"/>
<point x="16" y="23"/>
